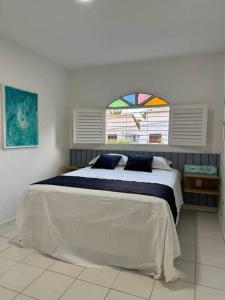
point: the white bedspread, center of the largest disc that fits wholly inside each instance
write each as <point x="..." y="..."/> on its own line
<point x="170" y="178"/>
<point x="92" y="227"/>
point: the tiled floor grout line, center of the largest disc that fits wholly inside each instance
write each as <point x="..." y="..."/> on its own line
<point x="81" y="272"/>
<point x="11" y="290"/>
<point x="113" y="283"/>
<point x="210" y="249"/>
<point x="21" y="292"/>
<point x="26" y="296"/>
<point x="4" y="250"/>
<point x="75" y="279"/>
<point x="29" y="264"/>
<point x="107" y="294"/>
<point x="128" y="294"/>
<point x="210" y="266"/>
<point x="19" y="261"/>
<point x="152" y="290"/>
<point x="16" y="263"/>
<point x="24" y="263"/>
<point x="60" y="297"/>
<point x="208" y="236"/>
<point x="93" y="283"/>
<point x="64" y="274"/>
<point x="211" y="287"/>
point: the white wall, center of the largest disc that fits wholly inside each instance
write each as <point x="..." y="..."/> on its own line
<point x="222" y="203"/>
<point x="181" y="80"/>
<point x="18" y="168"/>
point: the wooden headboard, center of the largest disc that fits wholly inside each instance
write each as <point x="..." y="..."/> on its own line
<point x="179" y="159"/>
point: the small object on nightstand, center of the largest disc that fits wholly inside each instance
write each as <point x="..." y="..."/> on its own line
<point x="70" y="168"/>
<point x="198" y="183"/>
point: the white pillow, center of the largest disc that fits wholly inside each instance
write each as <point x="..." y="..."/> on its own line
<point x="161" y="163"/>
<point x="122" y="161"/>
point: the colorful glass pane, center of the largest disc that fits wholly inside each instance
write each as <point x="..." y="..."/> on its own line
<point x="156" y="101"/>
<point x="119" y="103"/>
<point x="130" y="98"/>
<point x="143" y="97"/>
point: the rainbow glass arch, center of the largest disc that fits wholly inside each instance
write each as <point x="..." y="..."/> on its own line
<point x="138" y="100"/>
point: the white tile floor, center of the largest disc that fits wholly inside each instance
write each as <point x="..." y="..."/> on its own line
<point x="26" y="274"/>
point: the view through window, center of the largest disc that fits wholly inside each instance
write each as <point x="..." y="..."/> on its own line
<point x="138" y="126"/>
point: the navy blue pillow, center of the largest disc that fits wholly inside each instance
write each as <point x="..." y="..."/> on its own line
<point x="139" y="163"/>
<point x="106" y="161"/>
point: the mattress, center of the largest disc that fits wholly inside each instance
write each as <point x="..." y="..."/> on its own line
<point x="103" y="228"/>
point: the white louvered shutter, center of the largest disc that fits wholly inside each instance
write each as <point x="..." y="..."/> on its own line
<point x="89" y="126"/>
<point x="188" y="125"/>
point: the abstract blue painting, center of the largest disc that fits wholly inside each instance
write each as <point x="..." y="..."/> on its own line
<point x="21" y="118"/>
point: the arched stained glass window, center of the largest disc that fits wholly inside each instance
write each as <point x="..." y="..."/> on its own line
<point x="137" y="118"/>
<point x="156" y="101"/>
<point x="118" y="104"/>
<point x="137" y="100"/>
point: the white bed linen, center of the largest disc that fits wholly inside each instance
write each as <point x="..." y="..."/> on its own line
<point x="170" y="178"/>
<point x="92" y="227"/>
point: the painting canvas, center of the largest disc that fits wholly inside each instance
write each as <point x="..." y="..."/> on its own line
<point x="20" y="118"/>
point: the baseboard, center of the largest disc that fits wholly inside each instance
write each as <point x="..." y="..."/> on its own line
<point x="8" y="221"/>
<point x="200" y="208"/>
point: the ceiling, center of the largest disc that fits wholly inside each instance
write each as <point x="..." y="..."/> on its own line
<point x="111" y="31"/>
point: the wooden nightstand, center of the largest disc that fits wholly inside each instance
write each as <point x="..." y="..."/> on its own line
<point x="69" y="168"/>
<point x="201" y="184"/>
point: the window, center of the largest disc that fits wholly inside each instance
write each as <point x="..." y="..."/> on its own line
<point x="137" y="119"/>
<point x="112" y="138"/>
<point x="155" y="138"/>
<point x="142" y="119"/>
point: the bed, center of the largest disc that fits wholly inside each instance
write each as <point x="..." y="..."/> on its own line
<point x="104" y="228"/>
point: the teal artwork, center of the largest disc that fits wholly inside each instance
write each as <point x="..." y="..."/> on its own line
<point x="21" y="118"/>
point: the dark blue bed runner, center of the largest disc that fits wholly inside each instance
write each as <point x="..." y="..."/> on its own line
<point x="142" y="188"/>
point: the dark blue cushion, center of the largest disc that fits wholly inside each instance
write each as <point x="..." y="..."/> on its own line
<point x="139" y="163"/>
<point x="106" y="161"/>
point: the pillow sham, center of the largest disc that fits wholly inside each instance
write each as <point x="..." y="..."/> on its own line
<point x="139" y="163"/>
<point x="122" y="161"/>
<point x="161" y="163"/>
<point x="106" y="161"/>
